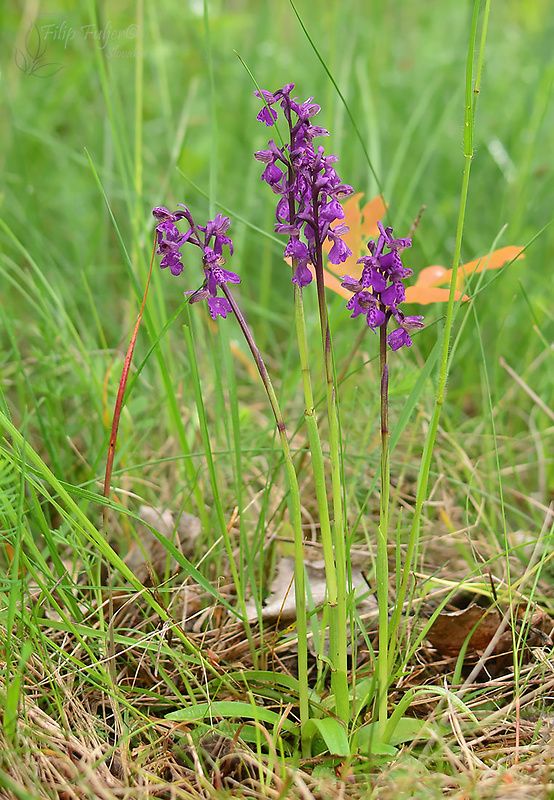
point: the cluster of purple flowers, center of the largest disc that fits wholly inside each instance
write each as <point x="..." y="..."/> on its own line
<point x="308" y="208"/>
<point x="309" y="186"/>
<point x="380" y="289"/>
<point x="310" y="191"/>
<point x="170" y="241"/>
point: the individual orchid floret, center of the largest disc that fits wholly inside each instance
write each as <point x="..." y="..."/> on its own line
<point x="309" y="186"/>
<point x="380" y="288"/>
<point x="211" y="239"/>
<point x="219" y="306"/>
<point x="366" y="303"/>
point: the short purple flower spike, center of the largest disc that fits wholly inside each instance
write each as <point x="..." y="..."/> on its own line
<point x="170" y="241"/>
<point x="380" y="289"/>
<point x="307" y="183"/>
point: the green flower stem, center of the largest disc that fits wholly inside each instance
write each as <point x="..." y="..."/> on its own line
<point x="421" y="494"/>
<point x="382" y="565"/>
<point x="296" y="513"/>
<point x="318" y="467"/>
<point x="339" y="679"/>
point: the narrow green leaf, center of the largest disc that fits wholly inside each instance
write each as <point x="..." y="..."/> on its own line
<point x="230" y="710"/>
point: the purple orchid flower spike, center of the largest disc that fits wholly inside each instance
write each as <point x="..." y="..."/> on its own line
<point x="380" y="289"/>
<point x="307" y="183"/>
<point x="211" y="239"/>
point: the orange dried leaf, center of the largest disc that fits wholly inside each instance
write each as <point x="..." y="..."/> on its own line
<point x="362" y="223"/>
<point x="432" y="276"/>
<point x="496" y="260"/>
<point x="430" y="294"/>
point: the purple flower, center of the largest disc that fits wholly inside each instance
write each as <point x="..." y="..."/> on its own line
<point x="219" y="306"/>
<point x="394" y="294"/>
<point x="307" y="183"/>
<point x="366" y="303"/>
<point x="211" y="239"/>
<point x="398" y="338"/>
<point x="381" y="290"/>
<point x="173" y="261"/>
<point x="216" y="276"/>
<point x="339" y="252"/>
<point x="299" y="251"/>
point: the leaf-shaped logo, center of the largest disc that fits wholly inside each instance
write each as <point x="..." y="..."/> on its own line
<point x="46" y="70"/>
<point x="33" y="43"/>
<point x="20" y="61"/>
<point x="32" y="62"/>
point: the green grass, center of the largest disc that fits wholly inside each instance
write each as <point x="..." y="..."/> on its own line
<point x="94" y="657"/>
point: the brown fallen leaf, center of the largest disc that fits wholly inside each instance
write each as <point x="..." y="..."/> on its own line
<point x="451" y="630"/>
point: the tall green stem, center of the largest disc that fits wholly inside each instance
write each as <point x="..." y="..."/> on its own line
<point x="421" y="494"/>
<point x="296" y="514"/>
<point x="338" y="621"/>
<point x="318" y="467"/>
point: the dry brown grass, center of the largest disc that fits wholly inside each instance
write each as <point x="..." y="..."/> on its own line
<point x="75" y="741"/>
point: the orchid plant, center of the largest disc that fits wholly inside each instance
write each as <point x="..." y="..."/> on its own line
<point x="323" y="240"/>
<point x="310" y="215"/>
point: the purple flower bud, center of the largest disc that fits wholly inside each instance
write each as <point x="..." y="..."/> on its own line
<point x="200" y="294"/>
<point x="351" y="284"/>
<point x="265" y="156"/>
<point x="308" y="110"/>
<point x="315" y="130"/>
<point x="290" y="230"/>
<point x="412" y="323"/>
<point x="162" y="214"/>
<point x="342" y="191"/>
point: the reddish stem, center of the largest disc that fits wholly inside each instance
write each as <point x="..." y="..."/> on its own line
<point x="121" y="391"/>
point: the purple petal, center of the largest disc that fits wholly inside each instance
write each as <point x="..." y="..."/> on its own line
<point x="267" y="115"/>
<point x="219" y="306"/>
<point x="398" y="338"/>
<point x="302" y="276"/>
<point x="394" y="294"/>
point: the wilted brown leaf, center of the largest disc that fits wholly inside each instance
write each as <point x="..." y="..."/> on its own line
<point x="451" y="629"/>
<point x="281" y="602"/>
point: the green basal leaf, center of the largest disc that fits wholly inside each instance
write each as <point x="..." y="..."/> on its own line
<point x="333" y="734"/>
<point x="230" y="710"/>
